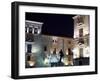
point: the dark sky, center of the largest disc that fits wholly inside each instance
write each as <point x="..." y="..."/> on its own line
<point x="54" y="24"/>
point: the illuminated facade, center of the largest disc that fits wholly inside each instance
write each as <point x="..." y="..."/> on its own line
<point x="81" y="38"/>
<point x="39" y="47"/>
<point x="59" y="43"/>
<point x="32" y="42"/>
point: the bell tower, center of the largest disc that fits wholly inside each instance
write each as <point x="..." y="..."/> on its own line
<point x="81" y="36"/>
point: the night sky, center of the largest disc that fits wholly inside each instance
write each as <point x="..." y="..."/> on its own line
<point x="54" y="24"/>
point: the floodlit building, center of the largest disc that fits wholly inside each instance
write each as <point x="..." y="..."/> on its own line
<point x="32" y="42"/>
<point x="81" y="39"/>
<point x="39" y="47"/>
<point x="66" y="44"/>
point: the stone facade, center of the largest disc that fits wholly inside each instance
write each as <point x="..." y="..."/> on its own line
<point x="81" y="37"/>
<point x="75" y="50"/>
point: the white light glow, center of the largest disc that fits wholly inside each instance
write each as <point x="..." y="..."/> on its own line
<point x="39" y="31"/>
<point x="65" y="61"/>
<point x="31" y="63"/>
<point x="86" y="53"/>
<point x="54" y="38"/>
<point x="46" y="61"/>
<point x="66" y="52"/>
<point x="75" y="52"/>
<point x="86" y="32"/>
<point x="35" y="48"/>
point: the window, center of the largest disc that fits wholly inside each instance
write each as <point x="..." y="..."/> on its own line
<point x="69" y="51"/>
<point x="54" y="41"/>
<point x="87" y="41"/>
<point x="30" y="30"/>
<point x="81" y="32"/>
<point x="80" y="20"/>
<point x="35" y="30"/>
<point x="28" y="58"/>
<point x="26" y="29"/>
<point x="45" y="48"/>
<point x="69" y="42"/>
<point x="81" y="52"/>
<point x="81" y="40"/>
<point x="29" y="48"/>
